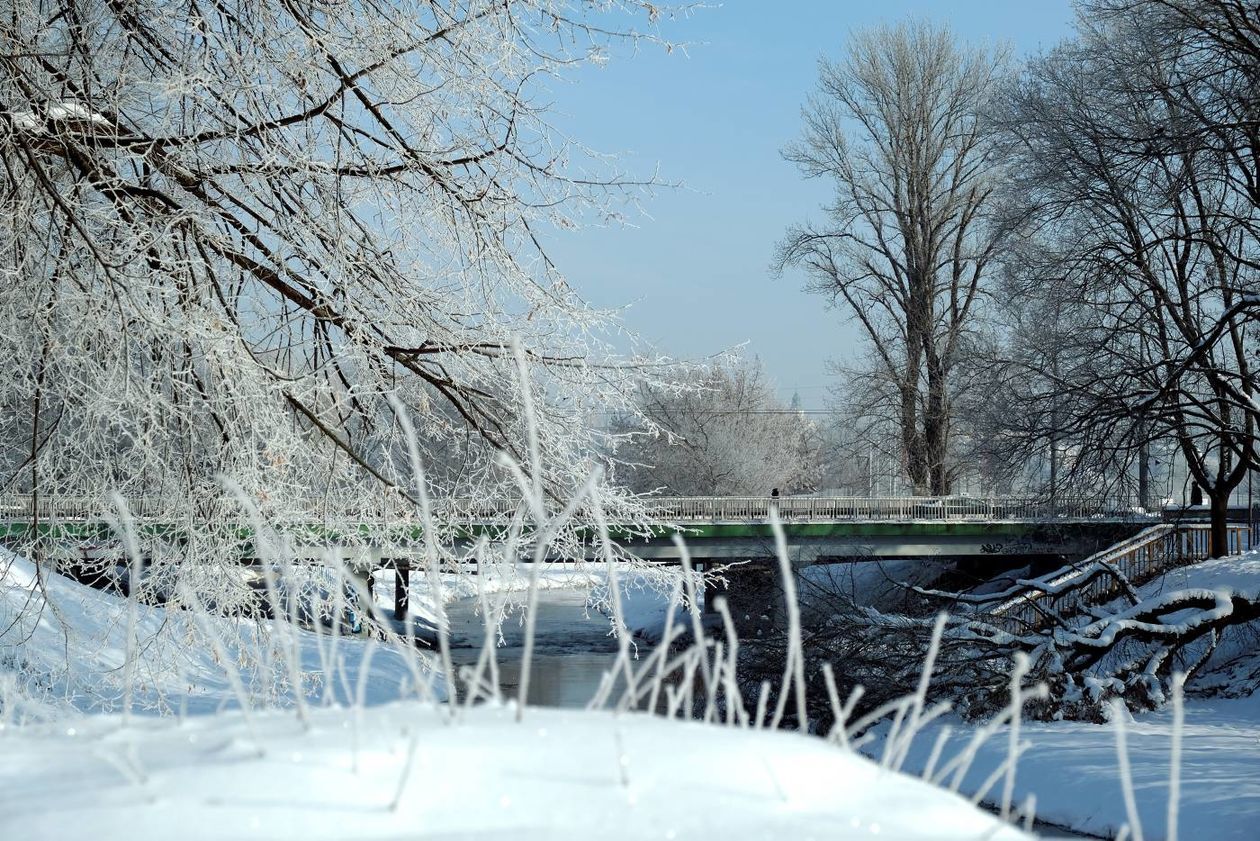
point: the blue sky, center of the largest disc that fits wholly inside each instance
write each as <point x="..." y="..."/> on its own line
<point x="694" y="271"/>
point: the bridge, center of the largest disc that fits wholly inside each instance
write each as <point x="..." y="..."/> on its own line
<point x="989" y="532"/>
<point x="715" y="528"/>
<point x="825" y="529"/>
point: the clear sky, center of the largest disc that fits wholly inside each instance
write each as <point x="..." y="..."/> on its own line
<point x="695" y="271"/>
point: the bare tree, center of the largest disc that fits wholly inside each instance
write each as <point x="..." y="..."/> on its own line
<point x="896" y="126"/>
<point x="234" y="231"/>
<point x="1032" y="430"/>
<point x="726" y="435"/>
<point x="1150" y="241"/>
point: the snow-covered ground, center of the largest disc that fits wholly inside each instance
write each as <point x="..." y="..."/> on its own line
<point x="409" y="768"/>
<point x="406" y="771"/>
<point x="1073" y="769"/>
<point x="399" y="769"/>
<point x="64" y="648"/>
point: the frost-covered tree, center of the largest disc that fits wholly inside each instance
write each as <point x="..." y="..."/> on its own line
<point x="726" y="434"/>
<point x="234" y="231"/>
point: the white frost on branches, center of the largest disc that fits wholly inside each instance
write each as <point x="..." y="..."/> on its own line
<point x="229" y="238"/>
<point x="726" y="435"/>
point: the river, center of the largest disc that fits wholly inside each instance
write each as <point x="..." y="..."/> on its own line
<point x="572" y="647"/>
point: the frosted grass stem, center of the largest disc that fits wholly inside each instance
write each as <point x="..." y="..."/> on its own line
<point x="693" y="606"/>
<point x="200" y="617"/>
<point x="763" y="695"/>
<point x="999" y="773"/>
<point x="734" y="703"/>
<point x="833" y="699"/>
<point x="1174" y="760"/>
<point x="431" y="555"/>
<point x="1019" y="669"/>
<point x="914" y="722"/>
<point x="133" y="595"/>
<point x="405" y="775"/>
<point x="1118" y="712"/>
<point x="937" y="746"/>
<point x="614" y="588"/>
<point x="719" y="669"/>
<point x="1029" y="810"/>
<point x="794" y="668"/>
<point x="547" y="530"/>
<point x="667" y="637"/>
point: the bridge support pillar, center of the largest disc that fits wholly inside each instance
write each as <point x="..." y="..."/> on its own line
<point x="402" y="589"/>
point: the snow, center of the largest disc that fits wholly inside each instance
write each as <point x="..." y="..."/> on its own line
<point x="411" y="768"/>
<point x="25" y="121"/>
<point x="386" y="768"/>
<point x="1072" y="769"/>
<point x="406" y="770"/>
<point x="498" y="580"/>
<point x="1238" y="574"/>
<point x="643" y="604"/>
<point x="70" y="110"/>
<point x="63" y="647"/>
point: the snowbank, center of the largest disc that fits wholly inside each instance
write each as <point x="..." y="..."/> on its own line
<point x="405" y="770"/>
<point x="643" y="603"/>
<point x="389" y="770"/>
<point x="1072" y="767"/>
<point x="1073" y="770"/>
<point x="63" y="647"/>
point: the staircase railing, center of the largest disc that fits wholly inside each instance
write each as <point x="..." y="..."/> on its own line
<point x="1105" y="575"/>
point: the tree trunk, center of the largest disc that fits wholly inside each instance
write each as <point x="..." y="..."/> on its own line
<point x="918" y="466"/>
<point x="1220" y="519"/>
<point x="912" y="441"/>
<point x="936" y="428"/>
<point x="1144" y="476"/>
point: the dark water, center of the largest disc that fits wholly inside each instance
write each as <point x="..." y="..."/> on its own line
<point x="572" y="647"/>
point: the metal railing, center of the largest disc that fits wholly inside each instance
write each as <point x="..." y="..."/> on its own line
<point x="1139" y="559"/>
<point x="667" y="509"/>
<point x="742" y="509"/>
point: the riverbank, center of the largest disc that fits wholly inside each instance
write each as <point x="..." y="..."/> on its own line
<point x="69" y="648"/>
<point x="414" y="770"/>
<point x="644" y="605"/>
<point x="1073" y="769"/>
<point x="332" y="763"/>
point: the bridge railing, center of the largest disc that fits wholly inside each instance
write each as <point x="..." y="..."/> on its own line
<point x="728" y="509"/>
<point x="672" y="509"/>
<point x="1104" y="576"/>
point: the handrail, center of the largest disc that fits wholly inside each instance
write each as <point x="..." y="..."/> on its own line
<point x="1138" y="559"/>
<point x="669" y="509"/>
